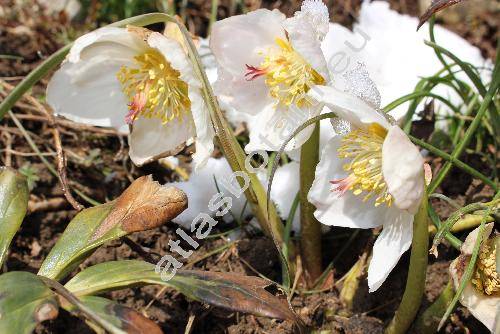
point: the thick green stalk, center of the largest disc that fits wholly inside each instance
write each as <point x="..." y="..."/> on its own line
<point x="415" y="284"/>
<point x="427" y="322"/>
<point x="310" y="228"/>
<point x="213" y="14"/>
<point x="286" y="243"/>
<point x="255" y="193"/>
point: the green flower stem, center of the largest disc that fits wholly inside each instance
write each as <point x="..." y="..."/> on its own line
<point x="432" y="21"/>
<point x="467" y="223"/>
<point x="461" y="122"/>
<point x="310" y="228"/>
<point x="265" y="212"/>
<point x="286" y="239"/>
<point x="428" y="321"/>
<point x="452" y="159"/>
<point x="415" y="283"/>
<point x="213" y="14"/>
<point x="235" y="155"/>
<point x="454" y="241"/>
<point x="417" y="95"/>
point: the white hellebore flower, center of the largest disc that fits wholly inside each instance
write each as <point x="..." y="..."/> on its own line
<point x="369" y="176"/>
<point x="482" y="294"/>
<point x="266" y="65"/>
<point x="138" y="79"/>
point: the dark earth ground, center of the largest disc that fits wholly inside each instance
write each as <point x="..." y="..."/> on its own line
<point x="98" y="165"/>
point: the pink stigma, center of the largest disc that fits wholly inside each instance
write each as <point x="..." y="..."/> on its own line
<point x="340" y="186"/>
<point x="254" y="72"/>
<point x="135" y="107"/>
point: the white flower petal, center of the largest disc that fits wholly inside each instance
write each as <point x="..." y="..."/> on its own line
<point x="275" y="125"/>
<point x="387" y="41"/>
<point x="249" y="97"/>
<point x="151" y="139"/>
<point x="98" y="100"/>
<point x="403" y="170"/>
<point x="175" y="55"/>
<point x="286" y="184"/>
<point x="204" y="131"/>
<point x="302" y="36"/>
<point x="257" y="32"/>
<point x="347" y="210"/>
<point x="484" y="308"/>
<point x="348" y="107"/>
<point x="240" y="40"/>
<point x="121" y="39"/>
<point x="201" y="187"/>
<point x="316" y="13"/>
<point x="85" y="89"/>
<point x="394" y="240"/>
<point x="359" y="83"/>
<point x="468" y="245"/>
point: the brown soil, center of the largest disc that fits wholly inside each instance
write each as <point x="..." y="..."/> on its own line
<point x="98" y="165"/>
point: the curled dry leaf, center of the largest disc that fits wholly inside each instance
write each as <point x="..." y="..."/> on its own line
<point x="143" y="206"/>
<point x="231" y="291"/>
<point x="239" y="293"/>
<point x="436" y="6"/>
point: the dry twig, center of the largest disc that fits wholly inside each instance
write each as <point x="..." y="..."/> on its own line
<point x="61" y="159"/>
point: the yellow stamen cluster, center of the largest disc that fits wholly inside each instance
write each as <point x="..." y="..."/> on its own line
<point x="288" y="75"/>
<point x="154" y="88"/>
<point x="486" y="278"/>
<point x="364" y="149"/>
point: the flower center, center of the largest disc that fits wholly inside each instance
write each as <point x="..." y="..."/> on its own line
<point x="363" y="148"/>
<point x="486" y="278"/>
<point x="154" y="89"/>
<point x="288" y="76"/>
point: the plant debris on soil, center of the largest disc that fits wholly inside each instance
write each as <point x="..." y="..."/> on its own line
<point x="98" y="166"/>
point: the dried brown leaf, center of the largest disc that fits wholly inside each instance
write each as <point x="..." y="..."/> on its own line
<point x="144" y="205"/>
<point x="134" y="322"/>
<point x="436" y="6"/>
<point x="239" y="293"/>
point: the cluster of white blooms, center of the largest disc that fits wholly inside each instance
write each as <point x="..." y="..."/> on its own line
<point x="271" y="71"/>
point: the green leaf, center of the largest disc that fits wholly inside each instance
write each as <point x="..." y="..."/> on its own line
<point x="230" y="291"/>
<point x="143" y="205"/>
<point x="13" y="205"/>
<point x="24" y="301"/>
<point x="76" y="242"/>
<point x="125" y="318"/>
